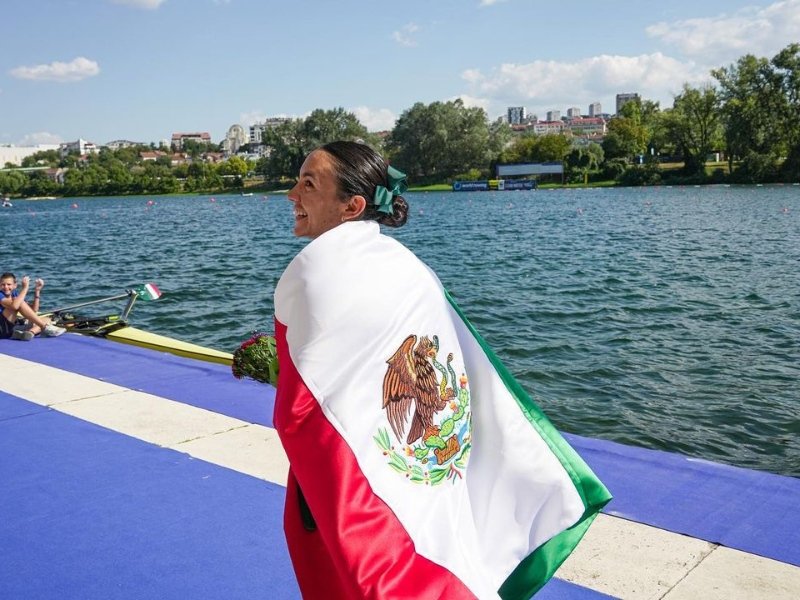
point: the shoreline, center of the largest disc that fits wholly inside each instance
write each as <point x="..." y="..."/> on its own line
<point x="438" y="188"/>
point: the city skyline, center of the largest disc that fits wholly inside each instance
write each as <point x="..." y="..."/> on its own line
<point x="143" y="69"/>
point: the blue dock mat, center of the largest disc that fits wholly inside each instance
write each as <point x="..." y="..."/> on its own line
<point x="202" y="384"/>
<point x="93" y="514"/>
<point x="90" y="513"/>
<point x="739" y="508"/>
<point x="753" y="511"/>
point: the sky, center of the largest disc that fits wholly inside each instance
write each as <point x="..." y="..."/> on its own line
<point x="141" y="70"/>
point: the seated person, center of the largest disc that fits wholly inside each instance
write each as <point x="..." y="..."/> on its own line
<point x="14" y="305"/>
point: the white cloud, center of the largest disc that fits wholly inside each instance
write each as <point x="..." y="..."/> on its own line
<point x="472" y="76"/>
<point x="545" y="85"/>
<point x="473" y="102"/>
<point x="755" y="30"/>
<point x="75" y="70"/>
<point x="405" y="36"/>
<point x="490" y="2"/>
<point x="251" y="117"/>
<point x="259" y="116"/>
<point x="40" y="137"/>
<point x="373" y="119"/>
<point x="146" y="4"/>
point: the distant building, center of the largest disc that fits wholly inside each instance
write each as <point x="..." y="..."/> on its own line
<point x="574" y="113"/>
<point x="179" y="158"/>
<point x="553" y="115"/>
<point x="14" y="154"/>
<point x="595" y="109"/>
<point x="151" y="155"/>
<point x="587" y="127"/>
<point x="545" y="127"/>
<point x="212" y="157"/>
<point x="516" y="115"/>
<point x="623" y="99"/>
<point x="234" y="139"/>
<point x="57" y="175"/>
<point x="117" y="144"/>
<point x="257" y="129"/>
<point x="178" y="139"/>
<point x="81" y="146"/>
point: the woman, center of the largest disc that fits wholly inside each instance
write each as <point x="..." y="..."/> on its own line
<point x="419" y="468"/>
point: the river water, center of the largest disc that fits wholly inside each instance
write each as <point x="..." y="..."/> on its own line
<point x="661" y="317"/>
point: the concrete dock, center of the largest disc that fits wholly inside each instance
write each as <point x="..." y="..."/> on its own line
<point x="128" y="473"/>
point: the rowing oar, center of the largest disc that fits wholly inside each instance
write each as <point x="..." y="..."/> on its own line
<point x="146" y="291"/>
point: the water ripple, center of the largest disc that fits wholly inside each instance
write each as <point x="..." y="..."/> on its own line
<point x="666" y="318"/>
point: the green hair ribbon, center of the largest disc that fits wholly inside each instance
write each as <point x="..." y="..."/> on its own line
<point x="384" y="196"/>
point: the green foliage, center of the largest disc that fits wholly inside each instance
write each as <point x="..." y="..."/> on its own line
<point x="581" y="161"/>
<point x="434" y="142"/>
<point x="647" y="174"/>
<point x="614" y="168"/>
<point x="45" y="158"/>
<point x="761" y="116"/>
<point x="693" y="125"/>
<point x="552" y="147"/>
<point x="290" y="142"/>
<point x="753" y="114"/>
<point x="257" y="359"/>
<point x="471" y="175"/>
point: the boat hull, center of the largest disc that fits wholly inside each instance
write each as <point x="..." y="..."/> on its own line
<point x="154" y="341"/>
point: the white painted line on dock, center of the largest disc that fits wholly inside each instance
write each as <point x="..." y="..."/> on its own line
<point x="219" y="439"/>
<point x="617" y="557"/>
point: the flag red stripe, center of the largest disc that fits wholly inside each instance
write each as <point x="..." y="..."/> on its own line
<point x="360" y="549"/>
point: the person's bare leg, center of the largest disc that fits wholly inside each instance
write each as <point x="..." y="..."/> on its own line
<point x="38" y="322"/>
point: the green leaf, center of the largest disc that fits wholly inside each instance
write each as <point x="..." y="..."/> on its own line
<point x="436" y="475"/>
<point x="435" y="441"/>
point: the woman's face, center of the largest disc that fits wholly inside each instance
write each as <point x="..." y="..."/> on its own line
<point x="317" y="207"/>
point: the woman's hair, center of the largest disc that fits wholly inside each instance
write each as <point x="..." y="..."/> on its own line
<point x="359" y="171"/>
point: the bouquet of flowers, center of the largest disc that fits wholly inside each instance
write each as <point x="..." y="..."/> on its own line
<point x="257" y="358"/>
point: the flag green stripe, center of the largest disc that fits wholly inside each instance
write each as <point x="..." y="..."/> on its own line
<point x="534" y="571"/>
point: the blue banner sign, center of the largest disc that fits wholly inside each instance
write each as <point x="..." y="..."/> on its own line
<point x="494" y="185"/>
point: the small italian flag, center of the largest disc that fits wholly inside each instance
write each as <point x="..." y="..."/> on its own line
<point x="148" y="291"/>
<point x="419" y="467"/>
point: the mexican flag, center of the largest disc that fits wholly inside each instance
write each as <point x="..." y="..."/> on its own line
<point x="419" y="467"/>
<point x="148" y="291"/>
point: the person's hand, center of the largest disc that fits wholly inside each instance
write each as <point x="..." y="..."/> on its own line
<point x="39" y="284"/>
<point x="26" y="281"/>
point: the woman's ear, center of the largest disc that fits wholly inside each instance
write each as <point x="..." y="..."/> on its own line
<point x="354" y="208"/>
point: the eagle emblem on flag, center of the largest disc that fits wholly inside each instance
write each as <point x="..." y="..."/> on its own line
<point x="439" y="436"/>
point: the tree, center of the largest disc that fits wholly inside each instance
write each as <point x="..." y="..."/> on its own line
<point x="434" y="142"/>
<point x="235" y="165"/>
<point x="626" y="137"/>
<point x="581" y="161"/>
<point x="787" y="65"/>
<point x="551" y="147"/>
<point x="694" y="126"/>
<point x="12" y="182"/>
<point x="751" y="104"/>
<point x="48" y="158"/>
<point x="290" y="142"/>
<point x="40" y="184"/>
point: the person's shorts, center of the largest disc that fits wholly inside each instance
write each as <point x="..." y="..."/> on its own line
<point x="6" y="327"/>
